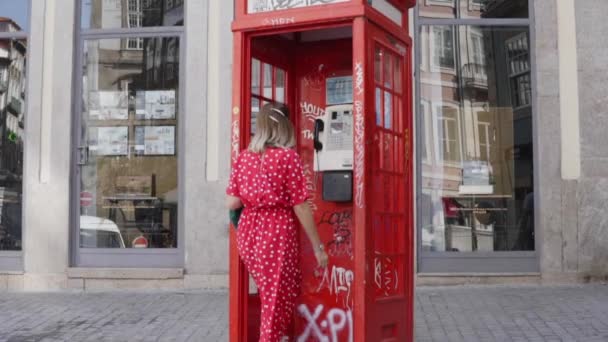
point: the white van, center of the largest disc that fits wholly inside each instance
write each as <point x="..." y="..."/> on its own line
<point x="98" y="232"/>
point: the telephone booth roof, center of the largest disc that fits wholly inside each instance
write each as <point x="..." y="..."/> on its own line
<point x="272" y="15"/>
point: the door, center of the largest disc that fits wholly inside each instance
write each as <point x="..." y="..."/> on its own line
<point x="127" y="154"/>
<point x="389" y="211"/>
<point x="263" y="77"/>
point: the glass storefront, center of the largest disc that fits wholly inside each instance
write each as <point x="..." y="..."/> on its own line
<point x="129" y="121"/>
<point x="128" y="134"/>
<point x="14" y="22"/>
<point x="475" y="180"/>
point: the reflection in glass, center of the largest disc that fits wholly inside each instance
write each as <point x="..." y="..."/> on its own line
<point x="476" y="121"/>
<point x="255" y="76"/>
<point x="471" y="9"/>
<point x="437" y="8"/>
<point x="12" y="118"/>
<point x="255" y="109"/>
<point x="14" y="15"/>
<point x="106" y="14"/>
<point x="279" y="88"/>
<point x="493" y="9"/>
<point x="442" y="41"/>
<point x="129" y="179"/>
<point x="268" y="84"/>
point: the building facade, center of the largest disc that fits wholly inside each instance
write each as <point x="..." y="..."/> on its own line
<point x="115" y="125"/>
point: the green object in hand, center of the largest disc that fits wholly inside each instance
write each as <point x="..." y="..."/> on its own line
<point x="235" y="215"/>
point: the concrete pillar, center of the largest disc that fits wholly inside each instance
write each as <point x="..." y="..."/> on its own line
<point x="208" y="103"/>
<point x="47" y="146"/>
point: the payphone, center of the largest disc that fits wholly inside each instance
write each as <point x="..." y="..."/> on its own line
<point x="333" y="143"/>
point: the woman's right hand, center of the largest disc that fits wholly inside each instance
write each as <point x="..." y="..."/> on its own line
<point x="322" y="258"/>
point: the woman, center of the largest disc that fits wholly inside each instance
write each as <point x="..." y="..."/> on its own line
<point x="268" y="181"/>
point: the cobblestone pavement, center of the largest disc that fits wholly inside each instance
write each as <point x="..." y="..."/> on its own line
<point x="523" y="313"/>
<point x="492" y="313"/>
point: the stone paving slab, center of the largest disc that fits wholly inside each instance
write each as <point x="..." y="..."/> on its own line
<point x="490" y="313"/>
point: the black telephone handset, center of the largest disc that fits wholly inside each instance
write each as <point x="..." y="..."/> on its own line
<point x="319" y="127"/>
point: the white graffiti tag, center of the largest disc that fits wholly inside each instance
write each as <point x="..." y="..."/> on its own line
<point x="235" y="139"/>
<point x="278" y="21"/>
<point x="311" y="111"/>
<point x="340" y="283"/>
<point x="360" y="153"/>
<point x="328" y="330"/>
<point x="359" y="78"/>
<point x="386" y="276"/>
<point x="311" y="186"/>
<point x="308" y="134"/>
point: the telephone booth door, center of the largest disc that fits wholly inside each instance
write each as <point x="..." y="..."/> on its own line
<point x="389" y="210"/>
<point x="347" y="84"/>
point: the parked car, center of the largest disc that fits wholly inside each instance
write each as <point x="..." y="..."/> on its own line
<point x="98" y="232"/>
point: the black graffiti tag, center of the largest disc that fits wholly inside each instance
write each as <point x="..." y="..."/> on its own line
<point x="341" y="223"/>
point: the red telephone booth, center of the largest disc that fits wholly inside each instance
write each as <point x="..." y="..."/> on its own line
<point x="343" y="67"/>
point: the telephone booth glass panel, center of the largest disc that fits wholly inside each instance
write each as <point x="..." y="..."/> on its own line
<point x="268" y="85"/>
<point x="388" y="170"/>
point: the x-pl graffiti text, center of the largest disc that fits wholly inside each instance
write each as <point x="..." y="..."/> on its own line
<point x="335" y="322"/>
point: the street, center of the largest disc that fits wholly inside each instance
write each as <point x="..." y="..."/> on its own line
<point x="472" y="313"/>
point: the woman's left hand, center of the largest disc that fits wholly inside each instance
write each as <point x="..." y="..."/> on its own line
<point x="322" y="258"/>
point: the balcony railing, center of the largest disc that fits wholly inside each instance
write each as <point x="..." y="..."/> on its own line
<point x="474" y="75"/>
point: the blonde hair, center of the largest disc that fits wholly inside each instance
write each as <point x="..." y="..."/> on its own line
<point x="273" y="129"/>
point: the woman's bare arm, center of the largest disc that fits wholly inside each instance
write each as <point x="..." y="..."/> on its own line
<point x="233" y="202"/>
<point x="305" y="217"/>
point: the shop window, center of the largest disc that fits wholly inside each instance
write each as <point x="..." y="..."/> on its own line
<point x="475" y="186"/>
<point x="129" y="124"/>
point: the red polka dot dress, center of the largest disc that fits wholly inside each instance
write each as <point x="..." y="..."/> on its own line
<point x="269" y="185"/>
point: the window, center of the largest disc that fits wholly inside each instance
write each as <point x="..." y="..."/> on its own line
<point x="449" y="133"/>
<point x="13" y="80"/>
<point x="128" y="123"/>
<point x="518" y="57"/>
<point x="479" y="89"/>
<point x="268" y="85"/>
<point x="135" y="15"/>
<point x="483" y="128"/>
<point x="105" y="14"/>
<point x="478" y="50"/>
<point x="443" y="47"/>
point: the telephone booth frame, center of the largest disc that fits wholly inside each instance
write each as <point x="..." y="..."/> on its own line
<point x="382" y="204"/>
